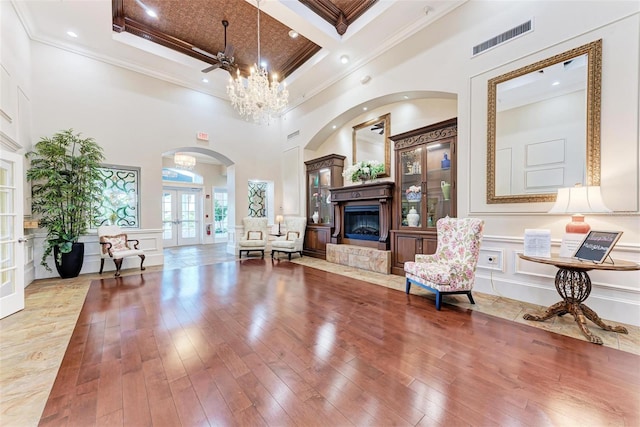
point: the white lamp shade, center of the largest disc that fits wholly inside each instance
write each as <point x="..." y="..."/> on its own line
<point x="279" y="219"/>
<point x="579" y="200"/>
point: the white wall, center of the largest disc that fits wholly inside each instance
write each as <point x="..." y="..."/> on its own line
<point x="136" y="118"/>
<point x="438" y="59"/>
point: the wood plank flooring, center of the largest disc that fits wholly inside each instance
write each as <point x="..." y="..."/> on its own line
<point x="255" y="343"/>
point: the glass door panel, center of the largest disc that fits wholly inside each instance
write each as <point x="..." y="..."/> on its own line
<point x="180" y="217"/>
<point x="11" y="240"/>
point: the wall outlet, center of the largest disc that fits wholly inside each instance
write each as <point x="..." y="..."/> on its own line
<point x="493" y="259"/>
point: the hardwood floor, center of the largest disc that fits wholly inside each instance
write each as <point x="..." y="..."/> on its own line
<point x="256" y="343"/>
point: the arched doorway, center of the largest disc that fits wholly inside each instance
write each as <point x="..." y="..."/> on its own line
<point x="191" y="213"/>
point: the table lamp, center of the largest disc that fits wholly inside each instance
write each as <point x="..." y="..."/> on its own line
<point x="578" y="201"/>
<point x="279" y="219"/>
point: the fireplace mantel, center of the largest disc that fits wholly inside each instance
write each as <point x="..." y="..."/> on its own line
<point x="379" y="193"/>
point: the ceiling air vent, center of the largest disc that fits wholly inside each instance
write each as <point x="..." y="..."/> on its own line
<point x="518" y="31"/>
<point x="293" y="135"/>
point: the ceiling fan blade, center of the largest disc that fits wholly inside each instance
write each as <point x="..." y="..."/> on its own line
<point x="213" y="67"/>
<point x="228" y="51"/>
<point x="232" y="69"/>
<point x="204" y="52"/>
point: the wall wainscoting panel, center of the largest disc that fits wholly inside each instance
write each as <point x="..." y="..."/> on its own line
<point x="615" y="295"/>
<point x="150" y="243"/>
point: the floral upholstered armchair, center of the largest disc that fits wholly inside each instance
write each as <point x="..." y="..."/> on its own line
<point x="293" y="239"/>
<point x="255" y="236"/>
<point x="452" y="269"/>
<point x="114" y="244"/>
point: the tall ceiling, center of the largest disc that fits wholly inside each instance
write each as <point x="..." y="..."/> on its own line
<point x="122" y="33"/>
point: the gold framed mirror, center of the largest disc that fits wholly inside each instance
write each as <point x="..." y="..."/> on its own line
<point x="371" y="142"/>
<point x="543" y="129"/>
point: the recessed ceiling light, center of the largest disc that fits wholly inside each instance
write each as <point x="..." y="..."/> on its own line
<point x="365" y="79"/>
<point x="151" y="13"/>
<point x="555" y="83"/>
<point x="405" y="97"/>
<point x="334" y="126"/>
<point x="344" y="59"/>
<point x="72" y="34"/>
<point x="204" y="80"/>
<point x="293" y="34"/>
<point x="364" y="108"/>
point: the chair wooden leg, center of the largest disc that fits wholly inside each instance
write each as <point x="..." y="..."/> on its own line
<point x="289" y="256"/>
<point x="408" y="287"/>
<point x="262" y="253"/>
<point x="470" y="298"/>
<point x="118" y="263"/>
<point x="101" y="264"/>
<point x="142" y="262"/>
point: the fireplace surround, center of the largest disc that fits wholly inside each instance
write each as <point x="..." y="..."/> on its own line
<point x="363" y="214"/>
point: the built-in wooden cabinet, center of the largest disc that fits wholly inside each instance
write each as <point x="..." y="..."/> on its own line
<point x="322" y="174"/>
<point x="425" y="169"/>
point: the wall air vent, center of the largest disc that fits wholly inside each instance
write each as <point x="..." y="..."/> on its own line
<point x="511" y="34"/>
<point x="293" y="134"/>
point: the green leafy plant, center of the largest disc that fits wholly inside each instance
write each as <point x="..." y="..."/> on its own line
<point x="65" y="185"/>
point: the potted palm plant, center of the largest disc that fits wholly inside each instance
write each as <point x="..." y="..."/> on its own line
<point x="65" y="185"/>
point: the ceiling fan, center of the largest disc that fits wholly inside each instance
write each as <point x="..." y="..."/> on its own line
<point x="378" y="128"/>
<point x="224" y="59"/>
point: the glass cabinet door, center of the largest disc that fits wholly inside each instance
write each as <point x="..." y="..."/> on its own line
<point x="438" y="181"/>
<point x="425" y="184"/>
<point x="319" y="196"/>
<point x="411" y="187"/>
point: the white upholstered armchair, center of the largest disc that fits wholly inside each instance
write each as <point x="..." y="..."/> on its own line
<point x="114" y="244"/>
<point x="452" y="269"/>
<point x="293" y="239"/>
<point x="255" y="236"/>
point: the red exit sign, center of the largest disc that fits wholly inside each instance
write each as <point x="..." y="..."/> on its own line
<point x="202" y="136"/>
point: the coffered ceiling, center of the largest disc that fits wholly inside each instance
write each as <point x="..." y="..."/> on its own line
<point x="196" y="26"/>
<point x="121" y="32"/>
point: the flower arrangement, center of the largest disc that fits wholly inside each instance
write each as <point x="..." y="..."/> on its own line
<point x="414" y="193"/>
<point x="362" y="171"/>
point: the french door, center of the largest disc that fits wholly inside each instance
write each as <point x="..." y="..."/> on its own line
<point x="11" y="238"/>
<point x="181" y="212"/>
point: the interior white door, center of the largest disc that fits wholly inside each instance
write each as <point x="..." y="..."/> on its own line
<point x="181" y="211"/>
<point x="11" y="238"/>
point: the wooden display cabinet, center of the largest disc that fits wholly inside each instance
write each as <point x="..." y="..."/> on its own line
<point x="322" y="174"/>
<point x="425" y="189"/>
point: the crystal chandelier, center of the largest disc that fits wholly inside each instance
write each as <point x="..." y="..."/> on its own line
<point x="184" y="161"/>
<point x="256" y="97"/>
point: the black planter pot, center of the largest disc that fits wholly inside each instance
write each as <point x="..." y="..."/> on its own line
<point x="71" y="263"/>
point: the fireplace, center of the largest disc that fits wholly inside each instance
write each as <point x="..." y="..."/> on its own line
<point x="362" y="215"/>
<point x="362" y="222"/>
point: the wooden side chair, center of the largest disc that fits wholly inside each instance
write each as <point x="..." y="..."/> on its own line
<point x="452" y="269"/>
<point x="114" y="244"/>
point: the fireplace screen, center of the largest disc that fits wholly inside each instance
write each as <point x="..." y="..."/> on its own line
<point x="362" y="222"/>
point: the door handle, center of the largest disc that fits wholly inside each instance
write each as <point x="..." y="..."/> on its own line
<point x="21" y="240"/>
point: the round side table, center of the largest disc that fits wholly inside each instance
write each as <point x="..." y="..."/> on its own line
<point x="574" y="286"/>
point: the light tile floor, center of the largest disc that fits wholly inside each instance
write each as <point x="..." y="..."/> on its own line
<point x="33" y="341"/>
